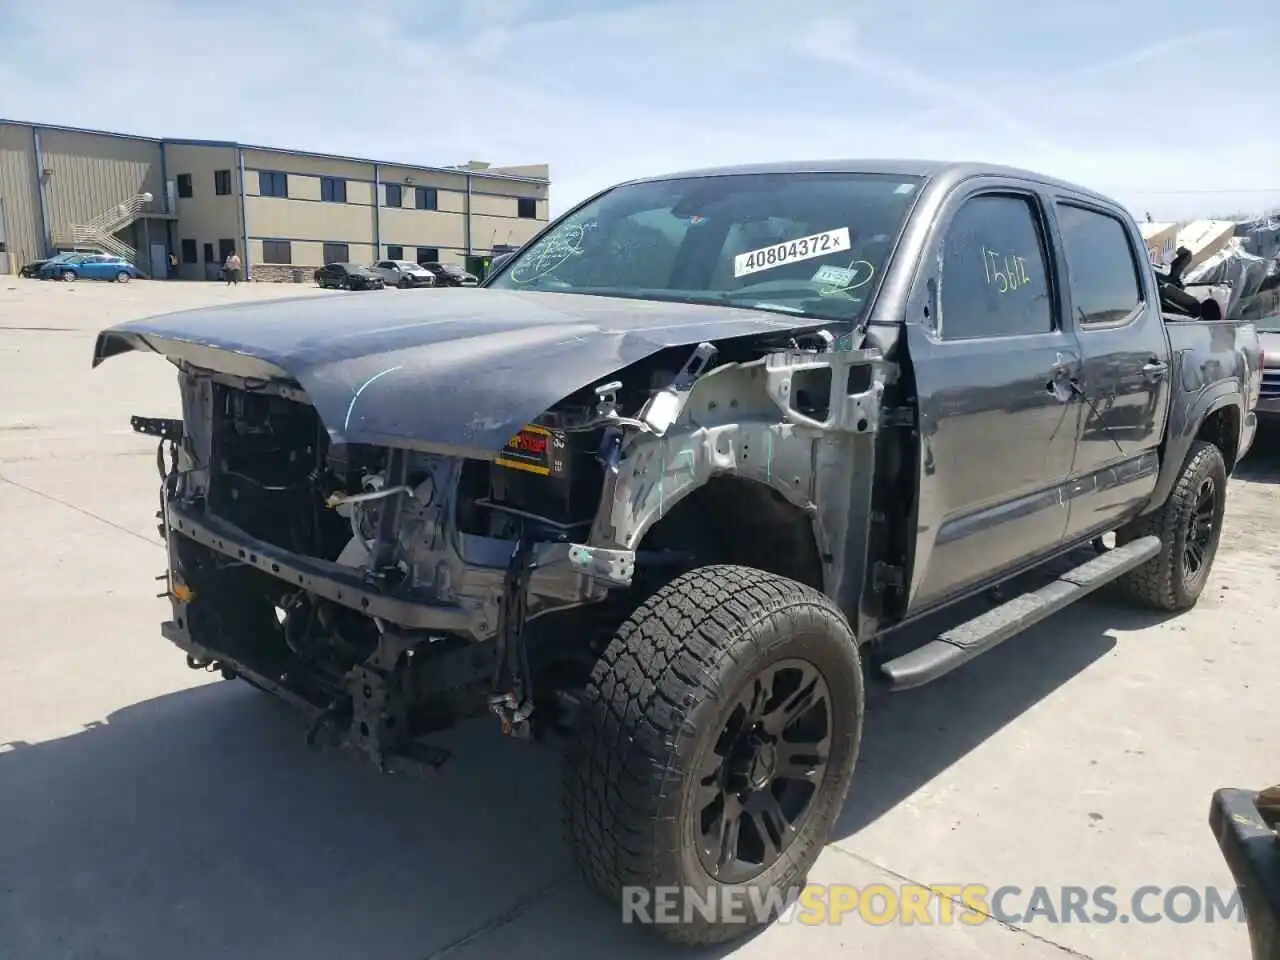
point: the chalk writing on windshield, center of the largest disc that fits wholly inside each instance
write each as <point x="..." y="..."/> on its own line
<point x="551" y="253"/>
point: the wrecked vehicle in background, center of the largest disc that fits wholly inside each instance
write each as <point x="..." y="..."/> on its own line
<point x="1243" y="287"/>
<point x="675" y="469"/>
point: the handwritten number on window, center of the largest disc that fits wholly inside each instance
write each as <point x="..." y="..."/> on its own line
<point x="1005" y="272"/>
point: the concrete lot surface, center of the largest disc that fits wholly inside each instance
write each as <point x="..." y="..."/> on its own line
<point x="150" y="811"/>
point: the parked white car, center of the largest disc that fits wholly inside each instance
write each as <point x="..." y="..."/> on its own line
<point x="404" y="273"/>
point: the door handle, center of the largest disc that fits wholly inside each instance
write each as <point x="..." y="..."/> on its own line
<point x="1155" y="370"/>
<point x="1062" y="385"/>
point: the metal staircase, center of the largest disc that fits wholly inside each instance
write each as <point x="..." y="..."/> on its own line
<point x="100" y="232"/>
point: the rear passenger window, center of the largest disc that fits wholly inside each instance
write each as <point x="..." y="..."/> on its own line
<point x="994" y="281"/>
<point x="1104" y="274"/>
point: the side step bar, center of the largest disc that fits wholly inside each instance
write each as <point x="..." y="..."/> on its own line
<point x="961" y="644"/>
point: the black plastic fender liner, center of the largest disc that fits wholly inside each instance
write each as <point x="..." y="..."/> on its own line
<point x="464" y="369"/>
<point x="1252" y="850"/>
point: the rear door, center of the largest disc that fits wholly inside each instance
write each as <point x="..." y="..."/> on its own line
<point x="998" y="422"/>
<point x="1126" y="375"/>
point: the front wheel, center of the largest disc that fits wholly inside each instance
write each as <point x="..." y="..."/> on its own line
<point x="713" y="750"/>
<point x="1189" y="526"/>
<point x="123" y="277"/>
<point x="68" y="276"/>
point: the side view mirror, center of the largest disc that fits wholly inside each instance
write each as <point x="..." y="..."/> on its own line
<point x="497" y="262"/>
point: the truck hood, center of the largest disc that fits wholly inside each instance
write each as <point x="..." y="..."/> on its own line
<point x="463" y="368"/>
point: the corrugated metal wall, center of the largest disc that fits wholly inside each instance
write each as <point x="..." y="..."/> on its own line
<point x="18" y="191"/>
<point x="92" y="173"/>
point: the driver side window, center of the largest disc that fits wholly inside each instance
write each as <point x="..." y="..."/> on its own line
<point x="994" y="278"/>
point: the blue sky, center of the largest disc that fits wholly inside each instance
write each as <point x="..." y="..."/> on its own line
<point x="608" y="90"/>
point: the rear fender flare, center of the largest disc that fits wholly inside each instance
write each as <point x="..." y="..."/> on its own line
<point x="1181" y="434"/>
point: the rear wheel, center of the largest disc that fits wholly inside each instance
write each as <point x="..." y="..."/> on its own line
<point x="68" y="276"/>
<point x="713" y="751"/>
<point x="1189" y="526"/>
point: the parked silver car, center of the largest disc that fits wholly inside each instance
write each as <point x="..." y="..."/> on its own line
<point x="404" y="273"/>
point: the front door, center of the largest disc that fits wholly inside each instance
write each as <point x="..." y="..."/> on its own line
<point x="159" y="261"/>
<point x="998" y="421"/>
<point x="1126" y="375"/>
<point x="93" y="267"/>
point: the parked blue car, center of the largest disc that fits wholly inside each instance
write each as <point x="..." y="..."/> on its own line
<point x="89" y="266"/>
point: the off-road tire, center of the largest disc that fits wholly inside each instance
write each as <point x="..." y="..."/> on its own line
<point x="651" y="713"/>
<point x="1164" y="582"/>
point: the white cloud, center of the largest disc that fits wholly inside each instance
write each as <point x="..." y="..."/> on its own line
<point x="604" y="91"/>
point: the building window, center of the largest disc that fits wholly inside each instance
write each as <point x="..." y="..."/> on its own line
<point x="222" y="182"/>
<point x="527" y="208"/>
<point x="208" y="253"/>
<point x="273" y="184"/>
<point x="189" y="251"/>
<point x="337" y="253"/>
<point x="395" y="198"/>
<point x="277" y="251"/>
<point x="395" y="253"/>
<point x="428" y="255"/>
<point x="184" y="185"/>
<point x="333" y="190"/>
<point x="225" y="249"/>
<point x="425" y="198"/>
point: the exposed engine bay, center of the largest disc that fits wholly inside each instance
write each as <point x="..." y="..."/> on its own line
<point x="356" y="579"/>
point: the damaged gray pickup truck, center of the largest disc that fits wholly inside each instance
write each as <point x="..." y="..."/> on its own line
<point x="666" y="480"/>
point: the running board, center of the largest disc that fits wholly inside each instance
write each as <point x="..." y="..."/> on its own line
<point x="961" y="644"/>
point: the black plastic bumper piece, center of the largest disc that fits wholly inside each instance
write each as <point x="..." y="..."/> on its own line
<point x="961" y="644"/>
<point x="1251" y="847"/>
<point x="414" y="758"/>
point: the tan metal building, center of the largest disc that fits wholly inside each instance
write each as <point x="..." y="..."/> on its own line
<point x="285" y="212"/>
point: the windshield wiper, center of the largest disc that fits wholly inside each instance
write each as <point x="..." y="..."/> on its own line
<point x="709" y="299"/>
<point x="734" y="300"/>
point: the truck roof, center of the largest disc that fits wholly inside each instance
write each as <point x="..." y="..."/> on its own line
<point x="932" y="170"/>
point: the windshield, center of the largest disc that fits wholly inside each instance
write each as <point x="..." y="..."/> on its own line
<point x="804" y="243"/>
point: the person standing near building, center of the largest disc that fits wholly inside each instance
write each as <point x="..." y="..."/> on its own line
<point x="173" y="265"/>
<point x="231" y="269"/>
